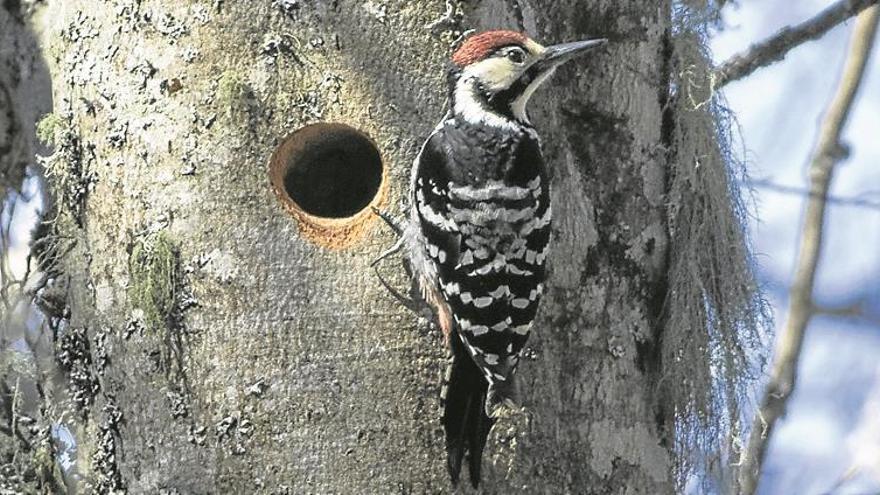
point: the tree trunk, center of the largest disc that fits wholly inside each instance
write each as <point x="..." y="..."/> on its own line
<point x="220" y="340"/>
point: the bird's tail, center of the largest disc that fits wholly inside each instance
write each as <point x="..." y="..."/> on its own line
<point x="464" y="417"/>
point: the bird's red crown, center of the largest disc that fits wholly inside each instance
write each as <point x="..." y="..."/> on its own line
<point x="479" y="46"/>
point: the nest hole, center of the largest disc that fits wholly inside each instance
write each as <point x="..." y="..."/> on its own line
<point x="327" y="176"/>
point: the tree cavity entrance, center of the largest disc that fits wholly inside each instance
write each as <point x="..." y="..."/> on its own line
<point x="327" y="176"/>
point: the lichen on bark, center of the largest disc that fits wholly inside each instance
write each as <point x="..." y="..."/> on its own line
<point x="154" y="280"/>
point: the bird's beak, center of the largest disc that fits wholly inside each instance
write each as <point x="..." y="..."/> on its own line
<point x="555" y="55"/>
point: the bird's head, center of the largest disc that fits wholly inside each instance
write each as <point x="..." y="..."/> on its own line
<point x="494" y="73"/>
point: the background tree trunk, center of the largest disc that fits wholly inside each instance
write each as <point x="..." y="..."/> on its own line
<point x="24" y="94"/>
<point x="213" y="348"/>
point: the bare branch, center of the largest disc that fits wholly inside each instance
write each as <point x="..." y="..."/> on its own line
<point x="788" y="346"/>
<point x="774" y="48"/>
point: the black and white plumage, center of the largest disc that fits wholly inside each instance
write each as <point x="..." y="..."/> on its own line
<point x="480" y="224"/>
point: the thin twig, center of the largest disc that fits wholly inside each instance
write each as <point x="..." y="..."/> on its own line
<point x="856" y="310"/>
<point x="860" y="201"/>
<point x="800" y="309"/>
<point x="774" y="48"/>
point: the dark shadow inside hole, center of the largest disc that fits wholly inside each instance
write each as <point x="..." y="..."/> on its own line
<point x="335" y="173"/>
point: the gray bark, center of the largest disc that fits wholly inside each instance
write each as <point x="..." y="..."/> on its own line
<point x="296" y="371"/>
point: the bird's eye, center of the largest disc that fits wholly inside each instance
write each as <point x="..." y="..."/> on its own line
<point x="516" y="55"/>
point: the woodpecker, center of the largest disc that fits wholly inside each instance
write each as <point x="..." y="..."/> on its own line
<point x="479" y="229"/>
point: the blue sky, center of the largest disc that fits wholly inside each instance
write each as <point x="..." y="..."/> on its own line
<point x="779" y="109"/>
